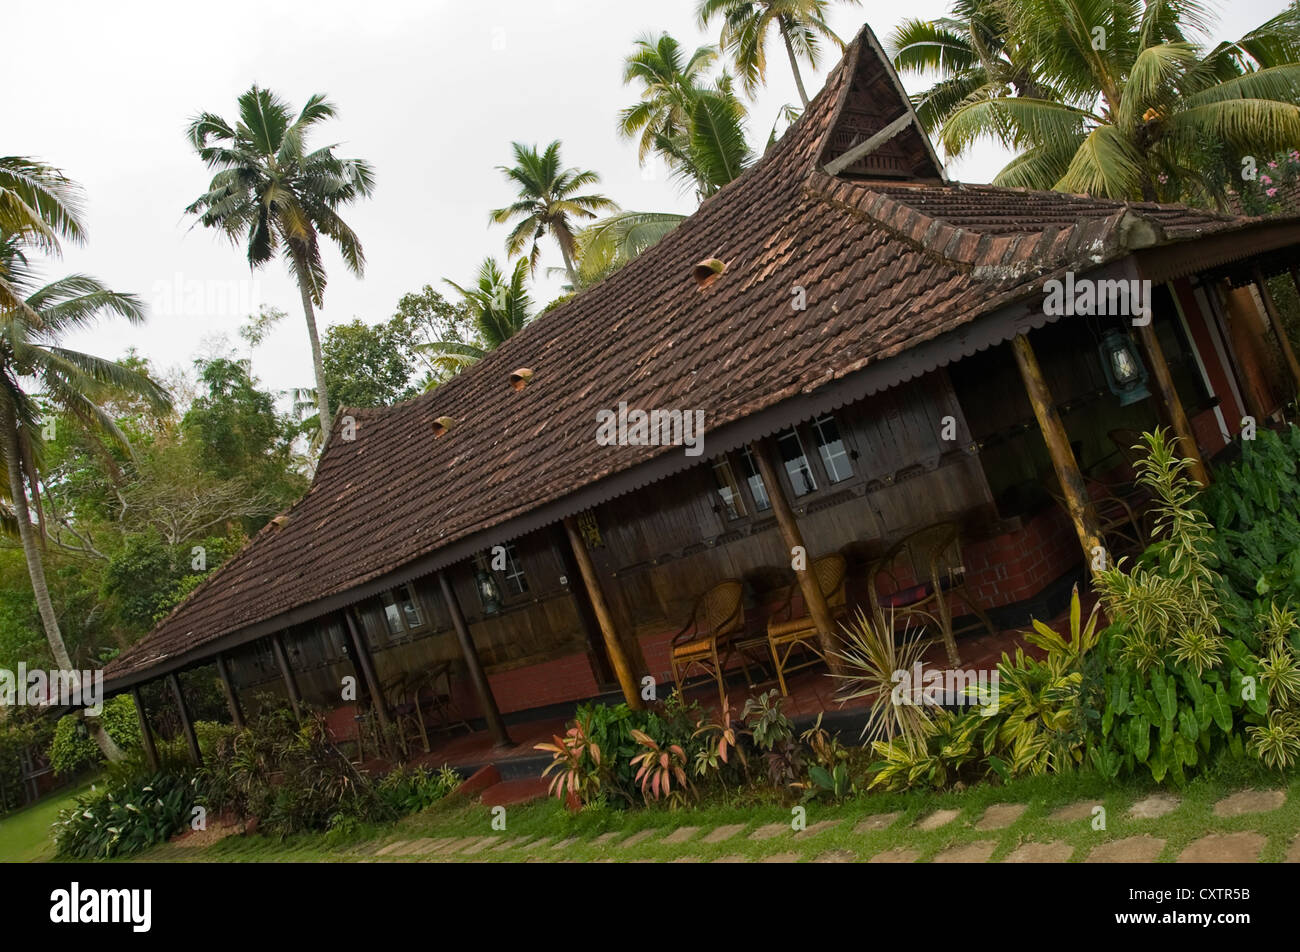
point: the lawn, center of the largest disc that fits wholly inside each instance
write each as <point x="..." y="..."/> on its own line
<point x="25" y="835"/>
<point x="762" y="831"/>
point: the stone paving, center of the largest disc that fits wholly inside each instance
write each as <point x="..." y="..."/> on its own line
<point x="939" y="836"/>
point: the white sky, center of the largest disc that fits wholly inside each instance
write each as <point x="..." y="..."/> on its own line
<point x="431" y="93"/>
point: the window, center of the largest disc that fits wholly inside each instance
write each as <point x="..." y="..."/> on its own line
<point x="516" y="581"/>
<point x="834" y="454"/>
<point x="755" y="481"/>
<point x="401" y="611"/>
<point x="796" y="463"/>
<point x="729" y="490"/>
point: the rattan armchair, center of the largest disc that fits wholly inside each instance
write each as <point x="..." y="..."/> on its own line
<point x="925" y="573"/>
<point x="707" y="640"/>
<point x="788" y="633"/>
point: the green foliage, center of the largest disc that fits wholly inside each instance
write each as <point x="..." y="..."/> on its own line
<point x="1255" y="508"/>
<point x="411" y="789"/>
<point x="69" y="752"/>
<point x="1277" y="741"/>
<point x="1177" y="692"/>
<point x="125" y="817"/>
<point x="773" y="734"/>
<point x="234" y="424"/>
<point x="1168" y="605"/>
<point x="288" y="775"/>
<point x="950" y="747"/>
<point x="871" y="657"/>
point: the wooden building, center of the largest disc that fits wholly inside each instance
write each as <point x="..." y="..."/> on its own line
<point x="872" y="350"/>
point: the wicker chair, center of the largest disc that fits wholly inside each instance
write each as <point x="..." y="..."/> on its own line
<point x="931" y="559"/>
<point x="707" y="640"/>
<point x="788" y="633"/>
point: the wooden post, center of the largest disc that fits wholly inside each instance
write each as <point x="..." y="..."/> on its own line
<point x="1168" y="395"/>
<point x="187" y="726"/>
<point x="613" y="646"/>
<point x="813" y="596"/>
<point x="487" y="701"/>
<point x="1275" y="319"/>
<point x="366" y="663"/>
<point x="286" y="672"/>
<point x="146" y="732"/>
<point x="228" y="688"/>
<point x="1079" y="504"/>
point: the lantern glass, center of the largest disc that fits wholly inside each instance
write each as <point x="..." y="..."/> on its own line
<point x="1125" y="373"/>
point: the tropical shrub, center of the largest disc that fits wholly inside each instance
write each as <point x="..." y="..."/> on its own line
<point x="872" y="658"/>
<point x="773" y="734"/>
<point x="125" y="817"/>
<point x="1276" y="742"/>
<point x="412" y="789"/>
<point x="1178" y="687"/>
<point x="658" y="766"/>
<point x="290" y="776"/>
<point x="70" y="752"/>
<point x="828" y="774"/>
<point x="1041" y="719"/>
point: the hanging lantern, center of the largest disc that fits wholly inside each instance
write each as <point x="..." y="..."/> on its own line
<point x="489" y="592"/>
<point x="1125" y="373"/>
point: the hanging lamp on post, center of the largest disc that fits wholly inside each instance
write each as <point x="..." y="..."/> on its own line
<point x="1125" y="374"/>
<point x="489" y="592"/>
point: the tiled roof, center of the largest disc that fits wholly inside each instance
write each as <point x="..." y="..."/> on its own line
<point x="886" y="266"/>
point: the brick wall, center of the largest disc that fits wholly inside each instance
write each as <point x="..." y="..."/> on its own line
<point x="1017" y="566"/>
<point x="550" y="682"/>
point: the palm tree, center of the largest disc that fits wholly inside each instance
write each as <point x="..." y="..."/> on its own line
<point x="74" y="383"/>
<point x="548" y="203"/>
<point x="1129" y="113"/>
<point x="971" y="52"/>
<point x="276" y="197"/>
<point x="606" y="245"/>
<point x="38" y="206"/>
<point x="745" y="26"/>
<point x="712" y="150"/>
<point x="669" y="84"/>
<point x="500" y="307"/>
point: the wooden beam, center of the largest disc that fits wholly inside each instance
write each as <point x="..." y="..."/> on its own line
<point x="813" y="597"/>
<point x="228" y="688"/>
<point x="365" y="663"/>
<point x="1279" y="329"/>
<point x="1075" y="492"/>
<point x="187" y="726"/>
<point x="1168" y="396"/>
<point x="613" y="645"/>
<point x="286" y="672"/>
<point x="146" y="732"/>
<point x="486" y="699"/>
<point x="863" y="149"/>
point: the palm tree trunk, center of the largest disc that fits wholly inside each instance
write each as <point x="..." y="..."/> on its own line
<point x="794" y="65"/>
<point x="317" y="360"/>
<point x="568" y="266"/>
<point x="36" y="569"/>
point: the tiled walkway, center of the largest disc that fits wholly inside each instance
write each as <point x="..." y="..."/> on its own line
<point x="995" y="827"/>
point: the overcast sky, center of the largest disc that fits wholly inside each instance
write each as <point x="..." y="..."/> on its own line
<point x="431" y="93"/>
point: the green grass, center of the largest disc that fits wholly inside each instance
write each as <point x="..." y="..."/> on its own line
<point x="1041" y="795"/>
<point x="25" y="835"/>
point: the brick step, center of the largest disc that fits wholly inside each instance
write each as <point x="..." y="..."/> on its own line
<point x="509" y="792"/>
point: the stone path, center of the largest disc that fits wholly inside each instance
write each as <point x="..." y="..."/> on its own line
<point x="1011" y="831"/>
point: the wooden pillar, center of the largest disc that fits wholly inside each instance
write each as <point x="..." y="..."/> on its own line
<point x="228" y="688"/>
<point x="1279" y="329"/>
<point x="1173" y="406"/>
<point x="487" y="701"/>
<point x="366" y="664"/>
<point x="146" y="732"/>
<point x="187" y="726"/>
<point x="613" y="646"/>
<point x="813" y="597"/>
<point x="1073" y="488"/>
<point x="286" y="672"/>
